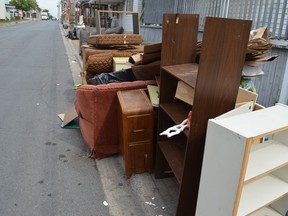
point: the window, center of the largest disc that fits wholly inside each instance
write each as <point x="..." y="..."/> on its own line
<point x="129" y="5"/>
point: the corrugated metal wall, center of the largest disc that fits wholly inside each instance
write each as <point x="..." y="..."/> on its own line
<point x="154" y="10"/>
<point x="270" y="13"/>
<point x="270" y="84"/>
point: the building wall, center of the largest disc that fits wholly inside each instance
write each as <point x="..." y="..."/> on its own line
<point x="2" y="10"/>
<point x="126" y="19"/>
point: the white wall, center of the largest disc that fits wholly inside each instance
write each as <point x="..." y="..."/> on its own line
<point x="2" y="9"/>
<point x="127" y="19"/>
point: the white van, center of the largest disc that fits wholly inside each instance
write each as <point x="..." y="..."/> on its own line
<point x="44" y="16"/>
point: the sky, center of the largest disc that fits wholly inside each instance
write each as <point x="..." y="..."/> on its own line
<point x="51" y="5"/>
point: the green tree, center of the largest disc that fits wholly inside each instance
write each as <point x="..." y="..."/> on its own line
<point x="25" y="5"/>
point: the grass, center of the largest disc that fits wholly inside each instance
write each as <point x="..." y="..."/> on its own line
<point x="9" y="22"/>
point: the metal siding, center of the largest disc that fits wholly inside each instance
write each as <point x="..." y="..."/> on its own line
<point x="284" y="90"/>
<point x="269" y="85"/>
<point x="154" y="10"/>
<point x="283" y="14"/>
<point x="151" y="34"/>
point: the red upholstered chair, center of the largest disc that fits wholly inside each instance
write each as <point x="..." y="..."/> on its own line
<point x="97" y="107"/>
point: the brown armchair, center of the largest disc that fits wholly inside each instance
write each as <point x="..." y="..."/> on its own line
<point x="97" y="107"/>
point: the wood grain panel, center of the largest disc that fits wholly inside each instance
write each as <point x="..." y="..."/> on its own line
<point x="179" y="38"/>
<point x="221" y="62"/>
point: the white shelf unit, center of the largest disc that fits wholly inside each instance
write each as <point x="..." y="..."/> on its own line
<point x="245" y="164"/>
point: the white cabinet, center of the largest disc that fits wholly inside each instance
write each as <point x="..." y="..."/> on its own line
<point x="245" y="165"/>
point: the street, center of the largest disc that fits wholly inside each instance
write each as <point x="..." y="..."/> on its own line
<point x="44" y="169"/>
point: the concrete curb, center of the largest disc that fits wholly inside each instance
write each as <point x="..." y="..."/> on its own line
<point x="74" y="60"/>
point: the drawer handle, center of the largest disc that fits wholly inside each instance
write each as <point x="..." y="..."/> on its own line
<point x="146" y="157"/>
<point x="138" y="130"/>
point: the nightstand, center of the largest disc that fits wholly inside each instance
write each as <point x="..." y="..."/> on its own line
<point x="136" y="131"/>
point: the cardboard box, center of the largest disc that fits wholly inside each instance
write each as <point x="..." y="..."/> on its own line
<point x="185" y="93"/>
<point x="68" y="116"/>
<point x="120" y="63"/>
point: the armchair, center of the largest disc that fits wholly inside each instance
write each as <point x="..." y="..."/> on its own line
<point x="97" y="107"/>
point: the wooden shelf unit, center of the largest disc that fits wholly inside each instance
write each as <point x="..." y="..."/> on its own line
<point x="178" y="51"/>
<point x="218" y="77"/>
<point x="247" y="156"/>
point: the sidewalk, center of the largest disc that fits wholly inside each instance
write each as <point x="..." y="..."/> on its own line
<point x="142" y="194"/>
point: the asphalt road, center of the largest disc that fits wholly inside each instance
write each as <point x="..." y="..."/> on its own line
<point x="44" y="169"/>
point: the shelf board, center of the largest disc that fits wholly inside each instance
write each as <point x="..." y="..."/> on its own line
<point x="177" y="112"/>
<point x="264" y="160"/>
<point x="185" y="72"/>
<point x="174" y="152"/>
<point x="261" y="122"/>
<point x="260" y="193"/>
<point x="266" y="211"/>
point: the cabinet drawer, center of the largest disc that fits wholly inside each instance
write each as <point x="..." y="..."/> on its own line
<point x="140" y="157"/>
<point x="139" y="128"/>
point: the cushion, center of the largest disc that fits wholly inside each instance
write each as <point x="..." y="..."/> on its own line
<point x="114" y="39"/>
<point x="100" y="63"/>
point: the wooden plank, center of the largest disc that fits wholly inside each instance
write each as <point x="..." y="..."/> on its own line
<point x="179" y="38"/>
<point x="184" y="72"/>
<point x="152" y="48"/>
<point x="266" y="211"/>
<point x="174" y="152"/>
<point x="176" y="112"/>
<point x="220" y="68"/>
<point x="276" y="116"/>
<point x="270" y="188"/>
<point x="246" y="107"/>
<point x="245" y="95"/>
<point x="185" y="92"/>
<point x="271" y="156"/>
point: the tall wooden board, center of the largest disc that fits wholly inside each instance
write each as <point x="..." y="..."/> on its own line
<point x="179" y="38"/>
<point x="179" y="42"/>
<point x="221" y="63"/>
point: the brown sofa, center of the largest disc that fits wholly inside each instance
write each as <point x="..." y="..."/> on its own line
<point x="97" y="107"/>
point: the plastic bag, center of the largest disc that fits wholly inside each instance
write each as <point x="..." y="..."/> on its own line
<point x="125" y="75"/>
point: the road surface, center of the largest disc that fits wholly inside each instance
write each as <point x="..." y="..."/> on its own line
<point x="44" y="169"/>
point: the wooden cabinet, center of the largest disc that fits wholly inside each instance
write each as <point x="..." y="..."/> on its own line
<point x="173" y="112"/>
<point x="136" y="130"/>
<point x="245" y="165"/>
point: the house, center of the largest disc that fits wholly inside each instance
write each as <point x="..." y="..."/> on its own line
<point x="2" y="10"/>
<point x="10" y="10"/>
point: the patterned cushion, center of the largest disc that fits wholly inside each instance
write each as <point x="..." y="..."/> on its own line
<point x="114" y="39"/>
<point x="101" y="63"/>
